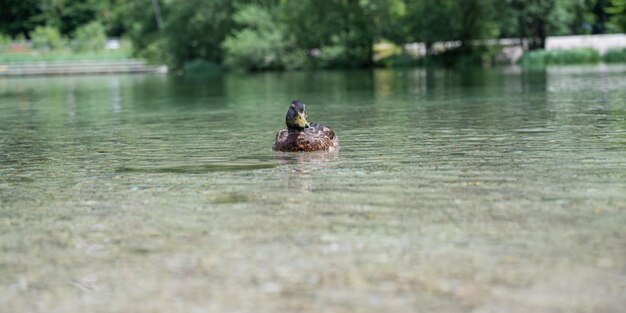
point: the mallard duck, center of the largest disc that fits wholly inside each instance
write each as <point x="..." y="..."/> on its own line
<point x="301" y="135"/>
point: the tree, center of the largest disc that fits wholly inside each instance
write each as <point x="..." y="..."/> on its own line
<point x="430" y="22"/>
<point x="135" y="19"/>
<point x="448" y="20"/>
<point x="68" y="15"/>
<point x="537" y="19"/>
<point x="195" y="29"/>
<point x="263" y="43"/>
<point x="19" y="17"/>
<point x="23" y="16"/>
<point x="343" y="29"/>
<point x="618" y="14"/>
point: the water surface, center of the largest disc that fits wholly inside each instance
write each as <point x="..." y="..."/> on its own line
<point x="485" y="191"/>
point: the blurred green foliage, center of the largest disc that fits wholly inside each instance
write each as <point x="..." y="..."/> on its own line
<point x="20" y="17"/>
<point x="540" y="58"/>
<point x="195" y="29"/>
<point x="63" y="56"/>
<point x="294" y="34"/>
<point x="617" y="12"/>
<point x="46" y="37"/>
<point x="615" y="56"/>
<point x="5" y="42"/>
<point x="90" y="37"/>
<point x="262" y="43"/>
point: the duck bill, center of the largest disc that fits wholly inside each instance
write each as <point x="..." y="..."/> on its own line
<point x="301" y="121"/>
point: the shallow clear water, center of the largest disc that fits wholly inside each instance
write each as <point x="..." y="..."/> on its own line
<point x="489" y="191"/>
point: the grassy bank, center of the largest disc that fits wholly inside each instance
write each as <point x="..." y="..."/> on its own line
<point x="54" y="56"/>
<point x="540" y="58"/>
<point x="485" y="56"/>
<point x="615" y="56"/>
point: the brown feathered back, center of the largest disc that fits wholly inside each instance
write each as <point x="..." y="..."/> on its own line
<point x="316" y="137"/>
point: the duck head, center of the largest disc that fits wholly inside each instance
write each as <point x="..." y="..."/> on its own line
<point x="296" y="117"/>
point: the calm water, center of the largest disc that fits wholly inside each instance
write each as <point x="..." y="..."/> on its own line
<point x="483" y="191"/>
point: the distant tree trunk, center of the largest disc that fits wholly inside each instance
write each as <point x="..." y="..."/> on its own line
<point x="599" y="10"/>
<point x="470" y="19"/>
<point x="370" y="53"/>
<point x="538" y="39"/>
<point x="157" y="13"/>
<point x="429" y="48"/>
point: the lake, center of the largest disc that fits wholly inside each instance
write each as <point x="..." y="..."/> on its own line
<point x="494" y="190"/>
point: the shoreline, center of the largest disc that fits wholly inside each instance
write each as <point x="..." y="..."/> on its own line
<point x="79" y="67"/>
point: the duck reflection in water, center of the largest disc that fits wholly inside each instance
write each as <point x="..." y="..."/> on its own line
<point x="300" y="169"/>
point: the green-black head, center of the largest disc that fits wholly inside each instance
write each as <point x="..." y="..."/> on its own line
<point x="296" y="117"/>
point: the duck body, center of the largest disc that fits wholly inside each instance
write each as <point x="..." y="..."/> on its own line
<point x="313" y="138"/>
<point x="301" y="135"/>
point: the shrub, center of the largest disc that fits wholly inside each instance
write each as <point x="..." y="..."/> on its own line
<point x="46" y="37"/>
<point x="295" y="59"/>
<point x="332" y="56"/>
<point x="535" y="58"/>
<point x="615" y="56"/>
<point x="5" y="39"/>
<point x="154" y="52"/>
<point x="5" y="42"/>
<point x="90" y="37"/>
<point x="538" y="58"/>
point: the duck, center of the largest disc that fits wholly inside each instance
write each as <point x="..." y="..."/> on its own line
<point x="302" y="136"/>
